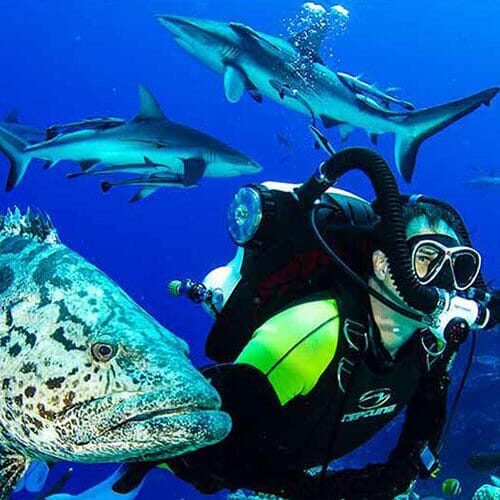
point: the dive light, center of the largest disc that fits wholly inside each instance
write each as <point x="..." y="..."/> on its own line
<point x="250" y="214"/>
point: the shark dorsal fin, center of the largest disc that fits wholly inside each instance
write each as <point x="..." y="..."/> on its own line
<point x="12" y="116"/>
<point x="149" y="107"/>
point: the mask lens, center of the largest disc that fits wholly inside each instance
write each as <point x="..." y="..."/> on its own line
<point x="465" y="267"/>
<point x="427" y="261"/>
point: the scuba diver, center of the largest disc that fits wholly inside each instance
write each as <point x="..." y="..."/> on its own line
<point x="334" y="317"/>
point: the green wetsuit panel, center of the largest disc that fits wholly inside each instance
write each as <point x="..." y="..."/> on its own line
<point x="295" y="347"/>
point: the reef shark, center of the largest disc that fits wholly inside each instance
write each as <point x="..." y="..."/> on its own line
<point x="267" y="65"/>
<point x="149" y="143"/>
<point x="484" y="180"/>
<point x="86" y="375"/>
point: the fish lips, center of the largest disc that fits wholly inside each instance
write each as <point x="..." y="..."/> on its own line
<point x="130" y="425"/>
<point x="166" y="434"/>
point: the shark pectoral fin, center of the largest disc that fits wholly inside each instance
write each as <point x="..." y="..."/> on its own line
<point x="194" y="170"/>
<point x="345" y="130"/>
<point x="143" y="193"/>
<point x="149" y="107"/>
<point x="13" y="467"/>
<point x="12" y="116"/>
<point x="234" y="83"/>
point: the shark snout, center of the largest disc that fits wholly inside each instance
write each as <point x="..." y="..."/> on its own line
<point x="178" y="25"/>
<point x="252" y="167"/>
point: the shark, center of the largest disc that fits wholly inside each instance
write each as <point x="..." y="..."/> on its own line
<point x="149" y="143"/>
<point x="86" y="375"/>
<point x="484" y="180"/>
<point x="264" y="65"/>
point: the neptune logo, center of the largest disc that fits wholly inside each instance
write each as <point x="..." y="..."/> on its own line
<point x="374" y="399"/>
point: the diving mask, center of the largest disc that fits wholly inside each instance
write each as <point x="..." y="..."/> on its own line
<point x="443" y="265"/>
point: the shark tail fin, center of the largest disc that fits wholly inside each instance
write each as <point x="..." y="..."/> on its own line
<point x="419" y="125"/>
<point x="13" y="147"/>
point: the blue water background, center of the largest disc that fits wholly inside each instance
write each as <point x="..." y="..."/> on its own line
<point x="63" y="61"/>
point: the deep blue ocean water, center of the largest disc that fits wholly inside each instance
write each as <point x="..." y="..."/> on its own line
<point x="63" y="61"/>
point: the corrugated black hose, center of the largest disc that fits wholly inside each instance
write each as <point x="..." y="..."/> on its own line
<point x="422" y="298"/>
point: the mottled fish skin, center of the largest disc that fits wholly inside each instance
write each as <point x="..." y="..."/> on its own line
<point x="57" y="401"/>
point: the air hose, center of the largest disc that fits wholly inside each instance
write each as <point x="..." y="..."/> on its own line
<point x="425" y="299"/>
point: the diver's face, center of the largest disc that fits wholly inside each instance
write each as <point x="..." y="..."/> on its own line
<point x="419" y="226"/>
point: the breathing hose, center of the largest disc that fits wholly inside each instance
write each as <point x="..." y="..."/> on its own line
<point x="425" y="299"/>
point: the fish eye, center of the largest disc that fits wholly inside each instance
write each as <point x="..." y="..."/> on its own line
<point x="103" y="352"/>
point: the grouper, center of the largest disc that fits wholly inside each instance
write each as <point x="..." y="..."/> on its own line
<point x="86" y="375"/>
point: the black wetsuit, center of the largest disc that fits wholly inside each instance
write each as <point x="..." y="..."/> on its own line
<point x="271" y="443"/>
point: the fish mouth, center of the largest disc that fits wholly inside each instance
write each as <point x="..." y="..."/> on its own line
<point x="169" y="432"/>
<point x="145" y="416"/>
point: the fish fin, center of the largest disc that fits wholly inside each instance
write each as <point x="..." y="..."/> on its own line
<point x="115" y="487"/>
<point x="74" y="175"/>
<point x="194" y="170"/>
<point x="13" y="147"/>
<point x="149" y="107"/>
<point x="321" y="141"/>
<point x="48" y="164"/>
<point x="150" y="162"/>
<point x="419" y="125"/>
<point x="36" y="476"/>
<point x="106" y="186"/>
<point x="143" y="193"/>
<point x="253" y="36"/>
<point x="345" y="130"/>
<point x="495" y="480"/>
<point x="256" y="96"/>
<point x="57" y="486"/>
<point x="329" y="122"/>
<point x="88" y="164"/>
<point x="13" y="467"/>
<point x="373" y="138"/>
<point x="234" y="83"/>
<point x="12" y="116"/>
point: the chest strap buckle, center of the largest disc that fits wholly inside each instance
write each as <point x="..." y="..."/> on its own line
<point x="356" y="335"/>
